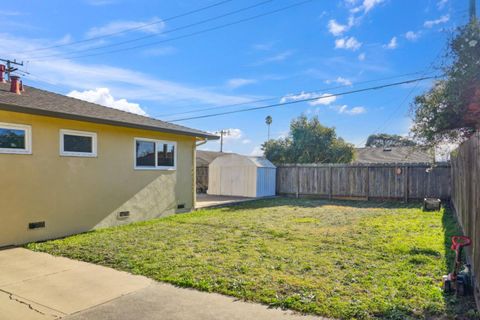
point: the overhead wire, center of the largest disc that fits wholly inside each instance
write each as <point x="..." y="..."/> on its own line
<point x="142" y="26"/>
<point x="218" y="27"/>
<point x="306" y="100"/>
<point x="116" y="44"/>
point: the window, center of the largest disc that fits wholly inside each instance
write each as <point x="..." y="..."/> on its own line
<point x="15" y="138"/>
<point x="78" y="143"/>
<point x="155" y="154"/>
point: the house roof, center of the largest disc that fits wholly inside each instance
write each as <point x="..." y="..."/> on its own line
<point x="41" y="102"/>
<point x="204" y="158"/>
<point x="393" y="155"/>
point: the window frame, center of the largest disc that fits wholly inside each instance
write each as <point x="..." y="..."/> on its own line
<point x="157" y="142"/>
<point x="92" y="135"/>
<point x="28" y="138"/>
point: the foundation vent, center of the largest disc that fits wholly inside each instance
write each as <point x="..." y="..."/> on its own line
<point x="123" y="215"/>
<point x="36" y="225"/>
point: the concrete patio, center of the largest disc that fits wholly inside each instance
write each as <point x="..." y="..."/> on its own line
<point x="208" y="201"/>
<point x="38" y="286"/>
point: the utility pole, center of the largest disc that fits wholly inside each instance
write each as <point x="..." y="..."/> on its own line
<point x="11" y="68"/>
<point x="473" y="10"/>
<point x="222" y="133"/>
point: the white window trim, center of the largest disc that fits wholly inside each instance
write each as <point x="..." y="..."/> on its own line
<point x="92" y="135"/>
<point x="157" y="142"/>
<point x="28" y="138"/>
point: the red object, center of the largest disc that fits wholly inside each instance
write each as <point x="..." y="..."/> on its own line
<point x="460" y="241"/>
<point x="2" y="72"/>
<point x="15" y="84"/>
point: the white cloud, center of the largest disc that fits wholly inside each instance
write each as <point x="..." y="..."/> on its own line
<point x="239" y="82"/>
<point x="317" y="99"/>
<point x="366" y="5"/>
<point x="154" y="25"/>
<point x="257" y="152"/>
<point x="432" y="23"/>
<point x="350" y="111"/>
<point x="441" y="4"/>
<point x="340" y="80"/>
<point x="10" y="13"/>
<point x="103" y="97"/>
<point x="393" y="44"/>
<point x="338" y="29"/>
<point x="66" y="75"/>
<point x="279" y="57"/>
<point x="412" y="35"/>
<point x="233" y="134"/>
<point x="362" y="56"/>
<point x="348" y="44"/>
<point x="263" y="46"/>
<point x="65" y="39"/>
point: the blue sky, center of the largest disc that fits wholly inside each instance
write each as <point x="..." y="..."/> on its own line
<point x="315" y="46"/>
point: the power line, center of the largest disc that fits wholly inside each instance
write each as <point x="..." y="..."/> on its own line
<point x="308" y="99"/>
<point x="160" y="33"/>
<point x="131" y="29"/>
<point x="279" y="97"/>
<point x="189" y="34"/>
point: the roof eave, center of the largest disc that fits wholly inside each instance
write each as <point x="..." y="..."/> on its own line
<point x="61" y="115"/>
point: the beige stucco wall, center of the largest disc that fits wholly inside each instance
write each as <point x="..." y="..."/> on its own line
<point x="76" y="194"/>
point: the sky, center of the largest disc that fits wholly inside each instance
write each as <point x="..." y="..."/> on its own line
<point x="174" y="60"/>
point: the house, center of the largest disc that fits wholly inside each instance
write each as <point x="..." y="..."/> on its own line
<point x="393" y="155"/>
<point x="204" y="158"/>
<point x="69" y="166"/>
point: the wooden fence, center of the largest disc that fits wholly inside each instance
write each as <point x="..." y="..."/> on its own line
<point x="202" y="179"/>
<point x="466" y="198"/>
<point x="365" y="181"/>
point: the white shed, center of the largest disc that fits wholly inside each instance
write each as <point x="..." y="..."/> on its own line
<point x="242" y="176"/>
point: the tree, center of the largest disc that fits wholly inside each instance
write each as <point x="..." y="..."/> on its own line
<point x="268" y="121"/>
<point x="450" y="110"/>
<point x="384" y="140"/>
<point x="309" y="142"/>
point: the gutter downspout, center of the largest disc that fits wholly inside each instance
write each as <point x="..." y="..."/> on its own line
<point x="198" y="144"/>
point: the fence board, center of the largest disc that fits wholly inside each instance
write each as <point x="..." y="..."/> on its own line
<point x="466" y="199"/>
<point x="382" y="181"/>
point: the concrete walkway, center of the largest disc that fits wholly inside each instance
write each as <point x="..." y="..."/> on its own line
<point x="209" y="201"/>
<point x="39" y="286"/>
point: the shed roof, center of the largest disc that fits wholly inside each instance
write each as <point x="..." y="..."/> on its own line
<point x="41" y="102"/>
<point x="393" y="155"/>
<point x="234" y="159"/>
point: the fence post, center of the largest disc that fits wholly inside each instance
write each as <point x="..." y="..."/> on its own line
<point x="330" y="190"/>
<point x="367" y="182"/>
<point x="406" y="183"/>
<point x="298" y="181"/>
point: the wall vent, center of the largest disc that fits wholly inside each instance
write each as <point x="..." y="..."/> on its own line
<point x="123" y="214"/>
<point x="181" y="206"/>
<point x="36" y="225"/>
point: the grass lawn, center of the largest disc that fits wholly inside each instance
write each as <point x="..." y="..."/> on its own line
<point x="344" y="259"/>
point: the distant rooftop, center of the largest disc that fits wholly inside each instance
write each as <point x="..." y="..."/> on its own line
<point x="393" y="155"/>
<point x="204" y="158"/>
